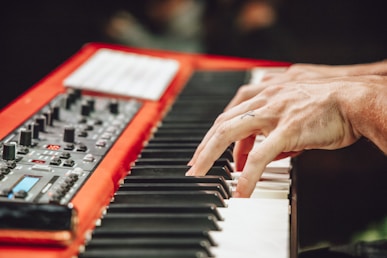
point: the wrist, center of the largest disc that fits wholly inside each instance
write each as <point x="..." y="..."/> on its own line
<point x="366" y="111"/>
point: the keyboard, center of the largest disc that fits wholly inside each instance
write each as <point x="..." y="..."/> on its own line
<point x="131" y="197"/>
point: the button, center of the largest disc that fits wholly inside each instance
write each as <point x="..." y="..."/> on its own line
<point x="69" y="146"/>
<point x="106" y="136"/>
<point x="89" y="127"/>
<point x="65" y="186"/>
<point x="21" y="194"/>
<point x="77" y="172"/>
<point x="22" y="150"/>
<point x="5" y="170"/>
<point x="101" y="143"/>
<point x="82" y="133"/>
<point x="55" y="198"/>
<point x="70" y="181"/>
<point x="83" y="120"/>
<point x="11" y="164"/>
<point x="81" y="147"/>
<point x="65" y="155"/>
<point x="69" y="163"/>
<point x="98" y="122"/>
<point x="74" y="176"/>
<point x="40" y="167"/>
<point x="111" y="129"/>
<point x="89" y="158"/>
<point x="55" y="161"/>
<point x="5" y="192"/>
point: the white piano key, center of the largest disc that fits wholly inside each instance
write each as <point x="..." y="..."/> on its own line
<point x="253" y="228"/>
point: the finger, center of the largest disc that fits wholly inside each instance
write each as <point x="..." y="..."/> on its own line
<point x="244" y="93"/>
<point x="241" y="151"/>
<point x="226" y="133"/>
<point x="259" y="157"/>
<point x="230" y="114"/>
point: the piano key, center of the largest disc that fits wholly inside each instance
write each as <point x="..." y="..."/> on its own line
<point x="151" y="233"/>
<point x="168" y="197"/>
<point x="253" y="227"/>
<point x="175" y="170"/>
<point x="166" y="208"/>
<point x="178" y="153"/>
<point x="175" y="187"/>
<point x="222" y="162"/>
<point x="185" y="139"/>
<point x="186" y="125"/>
<point x="183" y="179"/>
<point x="160" y="221"/>
<point x="148" y="243"/>
<point x="145" y="253"/>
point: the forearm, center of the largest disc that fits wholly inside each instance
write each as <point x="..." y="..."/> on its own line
<point x="376" y="68"/>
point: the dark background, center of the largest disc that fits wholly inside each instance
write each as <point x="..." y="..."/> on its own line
<point x="340" y="191"/>
<point x="37" y="36"/>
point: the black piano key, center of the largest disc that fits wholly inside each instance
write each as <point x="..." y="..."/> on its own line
<point x="183" y="179"/>
<point x="176" y="170"/>
<point x="192" y="119"/>
<point x="145" y="253"/>
<point x="185" y="139"/>
<point x="171" y="145"/>
<point x="178" y="153"/>
<point x="152" y="243"/>
<point x="186" y="125"/>
<point x="175" y="187"/>
<point x="222" y="162"/>
<point x="160" y="221"/>
<point x="105" y="232"/>
<point x="178" y="145"/>
<point x="168" y="197"/>
<point x="166" y="208"/>
<point x="179" y="133"/>
<point x="167" y="153"/>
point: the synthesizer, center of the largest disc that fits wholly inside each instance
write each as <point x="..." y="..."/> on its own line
<point x="84" y="140"/>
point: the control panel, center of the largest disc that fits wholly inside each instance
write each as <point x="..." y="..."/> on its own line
<point x="49" y="157"/>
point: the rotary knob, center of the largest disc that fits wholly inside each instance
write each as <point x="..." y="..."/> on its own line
<point x="34" y="127"/>
<point x="9" y="151"/>
<point x="25" y="137"/>
<point x="42" y="122"/>
<point x="69" y="134"/>
<point x="113" y="107"/>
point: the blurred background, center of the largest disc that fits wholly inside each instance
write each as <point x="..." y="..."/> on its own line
<point x="37" y="36"/>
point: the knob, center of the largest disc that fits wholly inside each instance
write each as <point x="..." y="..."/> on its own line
<point x="91" y="103"/>
<point x="25" y="137"/>
<point x="56" y="113"/>
<point x="66" y="102"/>
<point x="34" y="127"/>
<point x="69" y="134"/>
<point x="85" y="109"/>
<point x="9" y="151"/>
<point x="113" y="107"/>
<point x="49" y="119"/>
<point x="41" y="121"/>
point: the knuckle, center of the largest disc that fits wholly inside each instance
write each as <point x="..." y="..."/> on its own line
<point x="220" y="119"/>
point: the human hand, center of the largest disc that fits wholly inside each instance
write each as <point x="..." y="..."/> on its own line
<point x="295" y="72"/>
<point x="298" y="72"/>
<point x="294" y="116"/>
